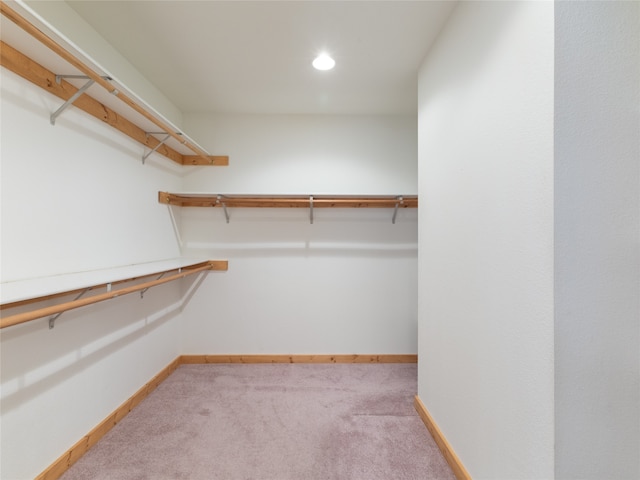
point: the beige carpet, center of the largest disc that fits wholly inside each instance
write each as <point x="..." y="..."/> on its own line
<point x="272" y="422"/>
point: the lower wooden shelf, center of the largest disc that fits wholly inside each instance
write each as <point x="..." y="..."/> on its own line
<point x="18" y="297"/>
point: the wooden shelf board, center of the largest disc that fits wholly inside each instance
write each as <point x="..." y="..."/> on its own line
<point x="27" y="316"/>
<point x="28" y="289"/>
<point x="287" y="201"/>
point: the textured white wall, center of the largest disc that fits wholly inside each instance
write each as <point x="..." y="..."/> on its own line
<point x="338" y="154"/>
<point x="347" y="283"/>
<point x="76" y="197"/>
<point x="597" y="234"/>
<point x="485" y="133"/>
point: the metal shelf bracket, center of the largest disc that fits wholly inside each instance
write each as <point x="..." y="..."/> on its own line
<point x="75" y="96"/>
<point x="159" y="277"/>
<point x="310" y="209"/>
<point x="53" y="318"/>
<point x="395" y="210"/>
<point x="162" y="142"/>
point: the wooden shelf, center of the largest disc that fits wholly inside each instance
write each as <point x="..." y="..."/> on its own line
<point x="25" y="292"/>
<point x="30" y="70"/>
<point x="287" y="201"/>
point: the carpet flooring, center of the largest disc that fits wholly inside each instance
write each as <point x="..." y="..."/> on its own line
<point x="272" y="422"/>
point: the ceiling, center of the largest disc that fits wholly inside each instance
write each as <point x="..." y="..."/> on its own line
<point x="255" y="56"/>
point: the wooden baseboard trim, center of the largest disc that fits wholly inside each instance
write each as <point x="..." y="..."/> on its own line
<point x="200" y="359"/>
<point x="62" y="464"/>
<point x="452" y="459"/>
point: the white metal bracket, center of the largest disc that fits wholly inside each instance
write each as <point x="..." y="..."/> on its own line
<point x="53" y="318"/>
<point x="145" y="289"/>
<point x="174" y="223"/>
<point x="75" y="96"/>
<point x="395" y="210"/>
<point x="162" y="142"/>
<point x="224" y="207"/>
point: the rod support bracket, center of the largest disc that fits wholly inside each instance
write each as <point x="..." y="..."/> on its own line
<point x="75" y="96"/>
<point x="395" y="210"/>
<point x="224" y="207"/>
<point x="162" y="142"/>
<point x="53" y="318"/>
<point x="145" y="289"/>
<point x="310" y="209"/>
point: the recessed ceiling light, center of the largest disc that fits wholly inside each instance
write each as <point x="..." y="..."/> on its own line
<point x="324" y="62"/>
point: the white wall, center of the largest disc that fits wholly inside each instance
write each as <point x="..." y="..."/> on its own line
<point x="76" y="197"/>
<point x="75" y="194"/>
<point x="485" y="133"/>
<point x="597" y="235"/>
<point x="347" y="283"/>
<point x="333" y="154"/>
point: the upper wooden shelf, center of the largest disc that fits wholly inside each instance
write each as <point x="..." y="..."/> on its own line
<point x="288" y="201"/>
<point x="144" y="129"/>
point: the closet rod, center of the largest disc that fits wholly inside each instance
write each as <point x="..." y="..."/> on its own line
<point x="287" y="201"/>
<point x="69" y="57"/>
<point x="63" y="307"/>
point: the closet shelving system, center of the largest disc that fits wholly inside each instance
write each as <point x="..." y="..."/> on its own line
<point x="226" y="201"/>
<point x="97" y="93"/>
<point x="132" y="117"/>
<point x="79" y="82"/>
<point x="100" y="284"/>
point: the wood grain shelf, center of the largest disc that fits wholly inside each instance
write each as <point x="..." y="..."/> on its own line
<point x="25" y="292"/>
<point x="20" y="64"/>
<point x="287" y="201"/>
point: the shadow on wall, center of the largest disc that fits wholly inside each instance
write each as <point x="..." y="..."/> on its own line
<point x="289" y="232"/>
<point x="77" y="122"/>
<point x="36" y="359"/>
